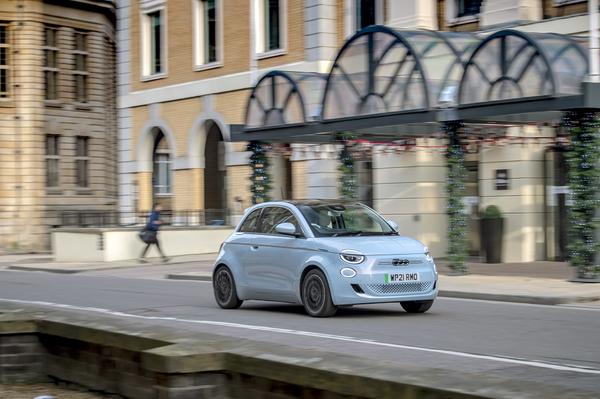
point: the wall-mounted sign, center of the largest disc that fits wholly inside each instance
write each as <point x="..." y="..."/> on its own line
<point x="502" y="179"/>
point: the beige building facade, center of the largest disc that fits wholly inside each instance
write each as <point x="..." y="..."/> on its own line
<point x="58" y="116"/>
<point x="186" y="69"/>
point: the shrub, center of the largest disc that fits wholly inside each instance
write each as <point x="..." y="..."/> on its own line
<point x="492" y="212"/>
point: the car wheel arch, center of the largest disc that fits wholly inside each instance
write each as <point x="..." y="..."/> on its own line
<point x="307" y="269"/>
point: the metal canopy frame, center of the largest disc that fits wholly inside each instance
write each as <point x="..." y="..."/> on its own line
<point x="509" y="76"/>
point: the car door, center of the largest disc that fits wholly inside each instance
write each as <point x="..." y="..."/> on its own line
<point x="280" y="256"/>
<point x="243" y="246"/>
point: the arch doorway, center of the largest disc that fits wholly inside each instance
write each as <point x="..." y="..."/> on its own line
<point x="161" y="170"/>
<point x="215" y="192"/>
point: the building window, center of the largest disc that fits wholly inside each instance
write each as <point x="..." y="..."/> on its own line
<point x="51" y="62"/>
<point x="153" y="41"/>
<point x="4" y="53"/>
<point x="162" y="166"/>
<point x="466" y="8"/>
<point x="52" y="159"/>
<point x="80" y="68"/>
<point x="82" y="161"/>
<point x="366" y="13"/>
<point x="270" y="25"/>
<point x="207" y="31"/>
<point x="362" y="13"/>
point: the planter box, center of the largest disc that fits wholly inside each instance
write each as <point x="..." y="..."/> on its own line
<point x="492" y="234"/>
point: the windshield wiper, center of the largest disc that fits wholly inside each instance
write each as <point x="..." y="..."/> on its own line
<point x="348" y="233"/>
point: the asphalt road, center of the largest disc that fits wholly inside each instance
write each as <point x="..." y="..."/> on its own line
<point x="547" y="344"/>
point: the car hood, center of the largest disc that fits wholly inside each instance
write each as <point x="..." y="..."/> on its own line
<point x="372" y="245"/>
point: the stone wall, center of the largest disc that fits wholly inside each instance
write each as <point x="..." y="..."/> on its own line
<point x="139" y="360"/>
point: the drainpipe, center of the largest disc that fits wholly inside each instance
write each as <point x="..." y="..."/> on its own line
<point x="594" y="49"/>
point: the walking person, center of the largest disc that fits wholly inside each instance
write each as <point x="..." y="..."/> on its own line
<point x="151" y="234"/>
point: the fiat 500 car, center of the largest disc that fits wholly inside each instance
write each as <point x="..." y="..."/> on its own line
<point x="323" y="255"/>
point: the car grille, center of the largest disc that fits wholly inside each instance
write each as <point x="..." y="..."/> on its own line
<point x="400" y="288"/>
<point x="389" y="262"/>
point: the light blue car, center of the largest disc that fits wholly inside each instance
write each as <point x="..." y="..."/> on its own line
<point x="322" y="254"/>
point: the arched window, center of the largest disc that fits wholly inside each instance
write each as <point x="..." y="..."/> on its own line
<point x="161" y="171"/>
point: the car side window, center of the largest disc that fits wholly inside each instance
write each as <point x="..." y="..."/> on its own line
<point x="273" y="216"/>
<point x="251" y="223"/>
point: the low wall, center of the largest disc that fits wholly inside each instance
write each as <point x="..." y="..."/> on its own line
<point x="108" y="245"/>
<point x="135" y="359"/>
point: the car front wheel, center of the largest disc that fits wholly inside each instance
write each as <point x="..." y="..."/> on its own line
<point x="316" y="296"/>
<point x="224" y="289"/>
<point x="416" y="306"/>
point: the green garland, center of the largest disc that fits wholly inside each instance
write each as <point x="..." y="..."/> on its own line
<point x="457" y="220"/>
<point x="347" y="180"/>
<point x="260" y="182"/>
<point x="584" y="178"/>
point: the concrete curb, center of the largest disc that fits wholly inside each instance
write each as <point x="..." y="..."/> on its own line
<point x="486" y="296"/>
<point x="536" y="300"/>
<point x="189" y="277"/>
<point x="83" y="270"/>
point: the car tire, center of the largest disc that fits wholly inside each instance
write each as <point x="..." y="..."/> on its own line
<point x="316" y="296"/>
<point x="224" y="289"/>
<point x="416" y="306"/>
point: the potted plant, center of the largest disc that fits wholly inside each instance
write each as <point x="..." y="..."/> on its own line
<point x="492" y="232"/>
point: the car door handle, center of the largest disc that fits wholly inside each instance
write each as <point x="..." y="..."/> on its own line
<point x="254" y="247"/>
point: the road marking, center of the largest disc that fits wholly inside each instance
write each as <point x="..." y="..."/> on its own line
<point x="493" y="358"/>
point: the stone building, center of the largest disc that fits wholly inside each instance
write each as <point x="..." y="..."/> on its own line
<point x="58" y="115"/>
<point x="186" y="70"/>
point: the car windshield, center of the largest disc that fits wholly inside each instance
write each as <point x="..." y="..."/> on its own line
<point x="335" y="220"/>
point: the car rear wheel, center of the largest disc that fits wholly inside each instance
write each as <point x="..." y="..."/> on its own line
<point x="316" y="296"/>
<point x="224" y="289"/>
<point x="416" y="306"/>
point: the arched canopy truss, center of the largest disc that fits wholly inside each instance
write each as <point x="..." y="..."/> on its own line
<point x="284" y="98"/>
<point x="381" y="70"/>
<point x="511" y="65"/>
<point x="387" y="83"/>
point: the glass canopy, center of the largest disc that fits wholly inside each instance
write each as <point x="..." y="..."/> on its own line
<point x="381" y="70"/>
<point x="512" y="64"/>
<point x="283" y="98"/>
<point x="384" y="80"/>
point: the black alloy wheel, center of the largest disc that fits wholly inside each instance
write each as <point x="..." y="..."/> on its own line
<point x="316" y="296"/>
<point x="416" y="306"/>
<point x="224" y="289"/>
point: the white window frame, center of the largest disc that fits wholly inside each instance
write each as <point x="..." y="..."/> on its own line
<point x="85" y="159"/>
<point x="558" y="3"/>
<point x="259" y="30"/>
<point x="452" y="17"/>
<point x="55" y="69"/>
<point x="168" y="164"/>
<point x="198" y="36"/>
<point x="350" y="16"/>
<point x="53" y="157"/>
<point x="6" y="67"/>
<point x="81" y="72"/>
<point x="146" y="51"/>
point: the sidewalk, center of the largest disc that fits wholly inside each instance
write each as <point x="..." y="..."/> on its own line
<point x="535" y="282"/>
<point x="46" y="264"/>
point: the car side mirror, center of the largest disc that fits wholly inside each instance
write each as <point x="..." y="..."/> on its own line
<point x="286" y="228"/>
<point x="393" y="225"/>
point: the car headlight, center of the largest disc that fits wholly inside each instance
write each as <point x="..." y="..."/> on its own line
<point x="352" y="257"/>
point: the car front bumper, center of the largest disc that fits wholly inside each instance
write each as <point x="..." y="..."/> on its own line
<point x="370" y="285"/>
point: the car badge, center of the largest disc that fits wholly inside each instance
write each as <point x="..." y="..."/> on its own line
<point x="400" y="262"/>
